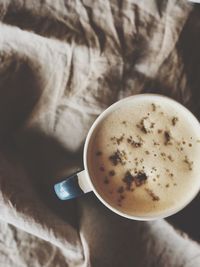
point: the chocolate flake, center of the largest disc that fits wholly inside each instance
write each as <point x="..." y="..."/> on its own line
<point x="152" y="125"/>
<point x="118" y="157"/>
<point x="139" y="179"/>
<point x="129" y="140"/>
<point x="102" y="169"/>
<point x="145" y="125"/>
<point x="153" y="107"/>
<point x="147" y="152"/>
<point x="120" y="189"/>
<point x="155" y="143"/>
<point x="128" y="180"/>
<point x="160" y="131"/>
<point x="111" y="173"/>
<point x="134" y="143"/>
<point x="174" y="120"/>
<point x="190" y="144"/>
<point x="115" y="158"/>
<point x="188" y="162"/>
<point x="152" y="194"/>
<point x="167" y="136"/>
<point x="170" y="158"/>
<point x="167" y="185"/>
<point x="98" y="153"/>
<point x="118" y="140"/>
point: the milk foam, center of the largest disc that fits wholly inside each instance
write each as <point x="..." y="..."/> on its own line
<point x="144" y="157"/>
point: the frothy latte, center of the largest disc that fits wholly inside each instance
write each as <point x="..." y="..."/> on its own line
<point x="144" y="157"/>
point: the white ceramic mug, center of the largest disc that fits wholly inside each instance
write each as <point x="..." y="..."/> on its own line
<point x="81" y="183"/>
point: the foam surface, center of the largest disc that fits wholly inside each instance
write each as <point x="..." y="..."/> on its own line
<point x="145" y="157"/>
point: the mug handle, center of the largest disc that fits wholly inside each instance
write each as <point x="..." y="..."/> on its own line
<point x="74" y="186"/>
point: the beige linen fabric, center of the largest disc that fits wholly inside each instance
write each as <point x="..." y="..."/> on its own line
<point x="61" y="64"/>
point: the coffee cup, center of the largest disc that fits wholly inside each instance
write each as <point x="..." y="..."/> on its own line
<point x="141" y="158"/>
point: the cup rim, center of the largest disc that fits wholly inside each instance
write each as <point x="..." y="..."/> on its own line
<point x="88" y="139"/>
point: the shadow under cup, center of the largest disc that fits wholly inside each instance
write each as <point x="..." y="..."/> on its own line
<point x="118" y="183"/>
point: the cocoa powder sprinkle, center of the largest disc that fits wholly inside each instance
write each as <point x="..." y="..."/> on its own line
<point x="138" y="179"/>
<point x="120" y="189"/>
<point x="188" y="162"/>
<point x="98" y="153"/>
<point x="153" y="196"/>
<point x="111" y="173"/>
<point x="135" y="143"/>
<point x="145" y="125"/>
<point x="155" y="143"/>
<point x="128" y="180"/>
<point x="118" y="157"/>
<point x="174" y="120"/>
<point x="167" y="136"/>
<point x="102" y="169"/>
<point x="170" y="158"/>
<point x="153" y="107"/>
<point x="118" y="140"/>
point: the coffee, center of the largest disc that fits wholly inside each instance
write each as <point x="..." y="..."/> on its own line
<point x="144" y="157"/>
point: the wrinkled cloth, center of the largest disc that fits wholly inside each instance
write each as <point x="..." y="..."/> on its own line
<point x="61" y="64"/>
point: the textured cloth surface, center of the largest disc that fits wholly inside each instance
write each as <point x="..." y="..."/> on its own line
<point x="61" y="64"/>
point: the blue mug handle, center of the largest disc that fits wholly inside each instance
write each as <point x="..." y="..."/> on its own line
<point x="72" y="187"/>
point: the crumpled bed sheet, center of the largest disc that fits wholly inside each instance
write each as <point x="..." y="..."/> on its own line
<point x="61" y="64"/>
